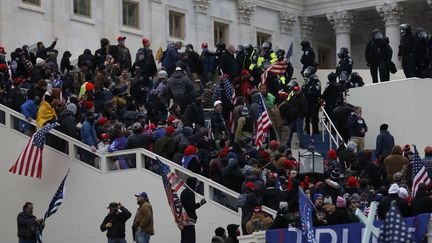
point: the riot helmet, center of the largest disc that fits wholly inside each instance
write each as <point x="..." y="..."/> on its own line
<point x="240" y="48"/>
<point x="266" y="45"/>
<point x="280" y="53"/>
<point x="332" y="77"/>
<point x="343" y="52"/>
<point x="421" y="33"/>
<point x="248" y="47"/>
<point x="309" y="71"/>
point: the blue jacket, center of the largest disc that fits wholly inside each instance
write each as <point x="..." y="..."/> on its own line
<point x="427" y="160"/>
<point x="170" y="58"/>
<point x="28" y="109"/>
<point x="88" y="134"/>
<point x="356" y="124"/>
<point x="384" y="144"/>
<point x="120" y="144"/>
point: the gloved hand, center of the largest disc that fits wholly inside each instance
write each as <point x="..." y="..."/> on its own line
<point x="108" y="225"/>
<point x="203" y="201"/>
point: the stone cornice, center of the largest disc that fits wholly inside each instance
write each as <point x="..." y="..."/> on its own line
<point x="341" y="21"/>
<point x="201" y="6"/>
<point x="390" y="12"/>
<point x="245" y="10"/>
<point x="286" y="21"/>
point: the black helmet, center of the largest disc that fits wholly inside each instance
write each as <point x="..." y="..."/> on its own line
<point x="343" y="52"/>
<point x="248" y="47"/>
<point x="266" y="45"/>
<point x="332" y="77"/>
<point x="221" y="46"/>
<point x="309" y="71"/>
<point x="305" y="43"/>
<point x="240" y="48"/>
<point x="280" y="53"/>
<point x="377" y="34"/>
<point x="421" y="33"/>
<point x="104" y="42"/>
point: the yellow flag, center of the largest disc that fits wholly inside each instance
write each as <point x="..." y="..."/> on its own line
<point x="159" y="54"/>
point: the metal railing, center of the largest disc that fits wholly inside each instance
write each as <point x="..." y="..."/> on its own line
<point x="140" y="159"/>
<point x="330" y="128"/>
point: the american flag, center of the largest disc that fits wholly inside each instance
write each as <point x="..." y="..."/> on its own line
<point x="29" y="163"/>
<point x="210" y="133"/>
<point x="419" y="173"/>
<point x="172" y="185"/>
<point x="305" y="208"/>
<point x="263" y="122"/>
<point x="278" y="68"/>
<point x="394" y="229"/>
<point x="53" y="206"/>
<point x="230" y="92"/>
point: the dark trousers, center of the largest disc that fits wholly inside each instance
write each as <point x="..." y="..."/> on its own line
<point x="409" y="65"/>
<point x="188" y="234"/>
<point x="312" y="117"/>
<point x="384" y="71"/>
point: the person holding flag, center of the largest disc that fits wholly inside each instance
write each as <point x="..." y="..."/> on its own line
<point x="305" y="208"/>
<point x="27" y="224"/>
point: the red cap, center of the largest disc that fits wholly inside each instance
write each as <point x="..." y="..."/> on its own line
<point x="3" y="66"/>
<point x="204" y="45"/>
<point x="288" y="163"/>
<point x="296" y="88"/>
<point x="171" y="118"/>
<point x="120" y="38"/>
<point x="407" y="148"/>
<point x="89" y="86"/>
<point x="105" y="136"/>
<point x="170" y="130"/>
<point x="273" y="144"/>
<point x="19" y="80"/>
<point x="89" y="105"/>
<point x="102" y="120"/>
<point x="2" y="50"/>
<point x="190" y="150"/>
<point x="145" y="42"/>
<point x="352" y="182"/>
<point x="264" y="154"/>
<point x="332" y="154"/>
<point x="250" y="185"/>
<point x="245" y="72"/>
<point x="257" y="209"/>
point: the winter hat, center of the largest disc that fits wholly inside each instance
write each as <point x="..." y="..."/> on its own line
<point x="316" y="196"/>
<point x="407" y="148"/>
<point x="258" y="209"/>
<point x="89" y="86"/>
<point x="40" y="61"/>
<point x="352" y="182"/>
<point x="332" y="154"/>
<point x="328" y="200"/>
<point x="394" y="189"/>
<point x="170" y="130"/>
<point x="265" y="155"/>
<point x="250" y="185"/>
<point x="340" y="202"/>
<point x="403" y="193"/>
<point x="351" y="146"/>
<point x="102" y="121"/>
<point x="71" y="107"/>
<point x="335" y="174"/>
<point x="283" y="205"/>
<point x="145" y="41"/>
<point x="273" y="145"/>
<point x="89" y="105"/>
<point x="162" y="74"/>
<point x="232" y="162"/>
<point x="378" y="197"/>
<point x="219" y="231"/>
<point x="190" y="150"/>
<point x="232" y="155"/>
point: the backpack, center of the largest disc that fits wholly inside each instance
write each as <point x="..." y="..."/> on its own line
<point x="242" y="200"/>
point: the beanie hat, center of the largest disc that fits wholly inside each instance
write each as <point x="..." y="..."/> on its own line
<point x="378" y="197"/>
<point x="407" y="148"/>
<point x="383" y="127"/>
<point x="89" y="86"/>
<point x="89" y="105"/>
<point x="232" y="155"/>
<point x="273" y="145"/>
<point x="316" y="196"/>
<point x="328" y="200"/>
<point x="71" y="107"/>
<point x="351" y="146"/>
<point x="283" y="205"/>
<point x="190" y="150"/>
<point x="340" y="202"/>
<point x="219" y="231"/>
<point x="145" y="41"/>
<point x="250" y="185"/>
<point x="403" y="193"/>
<point x="332" y="154"/>
<point x="170" y="130"/>
<point x="394" y="189"/>
<point x="264" y="155"/>
<point x="352" y="182"/>
<point x="335" y="174"/>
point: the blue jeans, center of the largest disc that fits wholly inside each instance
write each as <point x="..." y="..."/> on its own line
<point x="297" y="126"/>
<point x="116" y="240"/>
<point x="142" y="237"/>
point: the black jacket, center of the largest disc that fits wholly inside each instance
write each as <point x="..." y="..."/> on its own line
<point x="285" y="219"/>
<point x="422" y="203"/>
<point x="68" y="124"/>
<point x="251" y="202"/>
<point x="339" y="216"/>
<point x="194" y="62"/>
<point x="118" y="221"/>
<point x="384" y="206"/>
<point x="138" y="140"/>
<point x="296" y="107"/>
<point x="26" y="226"/>
<point x="228" y="64"/>
<point x="232" y="178"/>
<point x="271" y="198"/>
<point x="308" y="57"/>
<point x="187" y="199"/>
<point x="42" y="52"/>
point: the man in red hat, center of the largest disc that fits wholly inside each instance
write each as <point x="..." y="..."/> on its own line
<point x="124" y="56"/>
<point x="248" y="201"/>
<point x="144" y="59"/>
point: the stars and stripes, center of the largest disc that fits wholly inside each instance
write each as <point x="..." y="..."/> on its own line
<point x="230" y="93"/>
<point x="172" y="185"/>
<point x="394" y="229"/>
<point x="305" y="208"/>
<point x="419" y="173"/>
<point x="278" y="68"/>
<point x="263" y="122"/>
<point x="29" y="163"/>
<point x="210" y="133"/>
<point x="53" y="206"/>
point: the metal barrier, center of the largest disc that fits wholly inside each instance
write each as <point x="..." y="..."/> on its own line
<point x="330" y="128"/>
<point x="141" y="159"/>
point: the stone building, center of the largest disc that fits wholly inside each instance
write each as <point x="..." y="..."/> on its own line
<point x="328" y="24"/>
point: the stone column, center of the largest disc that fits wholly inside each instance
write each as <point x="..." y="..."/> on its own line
<point x="391" y="14"/>
<point x="203" y="29"/>
<point x="158" y="36"/>
<point x="342" y="23"/>
<point x="245" y="10"/>
<point x="286" y="23"/>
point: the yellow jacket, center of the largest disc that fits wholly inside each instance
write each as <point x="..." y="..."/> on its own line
<point x="45" y="113"/>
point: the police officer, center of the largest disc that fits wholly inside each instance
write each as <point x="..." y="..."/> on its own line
<point x="247" y="58"/>
<point x="308" y="57"/>
<point x="345" y="62"/>
<point x="422" y="58"/>
<point x="332" y="95"/>
<point x="354" y="81"/>
<point x="407" y="50"/>
<point x="378" y="56"/>
<point x="240" y="56"/>
<point x="312" y="91"/>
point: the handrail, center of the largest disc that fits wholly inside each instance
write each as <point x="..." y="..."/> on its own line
<point x="138" y="152"/>
<point x="329" y="129"/>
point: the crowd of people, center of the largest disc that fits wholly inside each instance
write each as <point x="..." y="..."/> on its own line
<point x="201" y="111"/>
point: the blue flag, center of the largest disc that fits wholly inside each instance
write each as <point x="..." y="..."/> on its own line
<point x="290" y="51"/>
<point x="394" y="229"/>
<point x="306" y="208"/>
